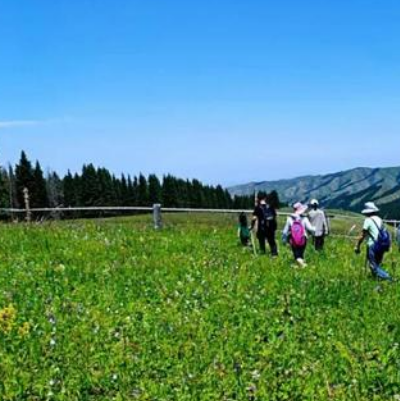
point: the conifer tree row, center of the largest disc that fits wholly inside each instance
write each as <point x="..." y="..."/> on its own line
<point x="98" y="187"/>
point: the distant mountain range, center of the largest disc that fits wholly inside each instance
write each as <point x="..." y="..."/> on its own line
<point x="347" y="190"/>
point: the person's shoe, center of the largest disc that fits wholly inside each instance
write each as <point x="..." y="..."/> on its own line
<point x="301" y="263"/>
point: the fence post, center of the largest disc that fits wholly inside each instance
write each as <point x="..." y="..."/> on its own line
<point x="27" y="205"/>
<point x="157" y="216"/>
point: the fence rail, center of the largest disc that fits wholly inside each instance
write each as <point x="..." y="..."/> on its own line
<point x="167" y="210"/>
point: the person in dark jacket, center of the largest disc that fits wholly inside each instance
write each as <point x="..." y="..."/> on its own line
<point x="265" y="217"/>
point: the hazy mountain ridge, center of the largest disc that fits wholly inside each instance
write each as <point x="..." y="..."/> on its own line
<point x="344" y="190"/>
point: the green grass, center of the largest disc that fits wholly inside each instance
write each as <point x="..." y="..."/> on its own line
<point x="112" y="310"/>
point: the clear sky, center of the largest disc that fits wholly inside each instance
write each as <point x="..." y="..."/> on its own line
<point x="226" y="91"/>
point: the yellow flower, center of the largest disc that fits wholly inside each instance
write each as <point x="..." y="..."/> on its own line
<point x="7" y="319"/>
<point x="24" y="330"/>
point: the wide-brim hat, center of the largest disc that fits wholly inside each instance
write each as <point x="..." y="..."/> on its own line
<point x="299" y="208"/>
<point x="314" y="202"/>
<point x="370" y="208"/>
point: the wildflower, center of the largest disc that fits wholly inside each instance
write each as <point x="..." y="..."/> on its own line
<point x="60" y="268"/>
<point x="24" y="330"/>
<point x="52" y="320"/>
<point x="7" y="318"/>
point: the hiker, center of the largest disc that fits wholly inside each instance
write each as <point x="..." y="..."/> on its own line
<point x="265" y="217"/>
<point x="243" y="230"/>
<point x="295" y="232"/>
<point x="318" y="220"/>
<point x="378" y="240"/>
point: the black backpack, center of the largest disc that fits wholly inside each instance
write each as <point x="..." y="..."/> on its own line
<point x="268" y="218"/>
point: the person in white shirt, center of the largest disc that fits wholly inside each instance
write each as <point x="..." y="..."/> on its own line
<point x="295" y="232"/>
<point x="319" y="221"/>
<point x="372" y="225"/>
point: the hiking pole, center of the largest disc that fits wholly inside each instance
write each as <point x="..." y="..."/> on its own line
<point x="351" y="230"/>
<point x="253" y="242"/>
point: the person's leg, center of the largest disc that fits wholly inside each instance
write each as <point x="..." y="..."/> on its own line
<point x="375" y="260"/>
<point x="272" y="243"/>
<point x="261" y="241"/>
<point x="319" y="243"/>
<point x="298" y="253"/>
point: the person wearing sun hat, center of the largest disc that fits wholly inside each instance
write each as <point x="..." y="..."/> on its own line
<point x="319" y="221"/>
<point x="373" y="224"/>
<point x="295" y="232"/>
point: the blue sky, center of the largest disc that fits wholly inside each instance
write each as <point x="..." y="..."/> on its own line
<point x="225" y="91"/>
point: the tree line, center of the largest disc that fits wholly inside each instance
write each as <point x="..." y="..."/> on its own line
<point x="99" y="187"/>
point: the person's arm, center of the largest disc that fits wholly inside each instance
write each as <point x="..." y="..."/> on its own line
<point x="325" y="225"/>
<point x="308" y="226"/>
<point x="364" y="235"/>
<point x="254" y="219"/>
<point x="286" y="229"/>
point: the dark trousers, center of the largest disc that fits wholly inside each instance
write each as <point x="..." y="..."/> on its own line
<point x="244" y="240"/>
<point x="319" y="243"/>
<point x="299" y="251"/>
<point x="270" y="237"/>
<point x="375" y="260"/>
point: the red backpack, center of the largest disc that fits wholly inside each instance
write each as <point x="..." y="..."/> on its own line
<point x="297" y="234"/>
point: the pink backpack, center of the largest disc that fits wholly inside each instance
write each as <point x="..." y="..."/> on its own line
<point x="297" y="234"/>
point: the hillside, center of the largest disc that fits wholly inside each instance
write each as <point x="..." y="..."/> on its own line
<point x="345" y="190"/>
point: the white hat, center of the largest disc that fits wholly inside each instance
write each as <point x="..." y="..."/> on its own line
<point x="314" y="202"/>
<point x="299" y="208"/>
<point x="370" y="208"/>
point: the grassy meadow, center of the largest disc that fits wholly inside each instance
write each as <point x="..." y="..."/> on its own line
<point x="113" y="310"/>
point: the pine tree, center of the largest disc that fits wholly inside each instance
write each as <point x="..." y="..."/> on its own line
<point x="12" y="188"/>
<point x="106" y="196"/>
<point x="55" y="192"/>
<point x="24" y="178"/>
<point x="273" y="199"/>
<point x="124" y="191"/>
<point x="38" y="194"/>
<point x="143" y="191"/>
<point x="4" y="189"/>
<point x="155" y="189"/>
<point x="90" y="187"/>
<point x="131" y="193"/>
<point x="70" y="198"/>
<point x="169" y="191"/>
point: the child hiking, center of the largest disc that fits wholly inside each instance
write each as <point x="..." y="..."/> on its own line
<point x="243" y="230"/>
<point x="318" y="220"/>
<point x="378" y="241"/>
<point x="265" y="217"/>
<point x="295" y="232"/>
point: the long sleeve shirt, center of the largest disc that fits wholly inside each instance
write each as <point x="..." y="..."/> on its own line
<point x="291" y="219"/>
<point x="319" y="221"/>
